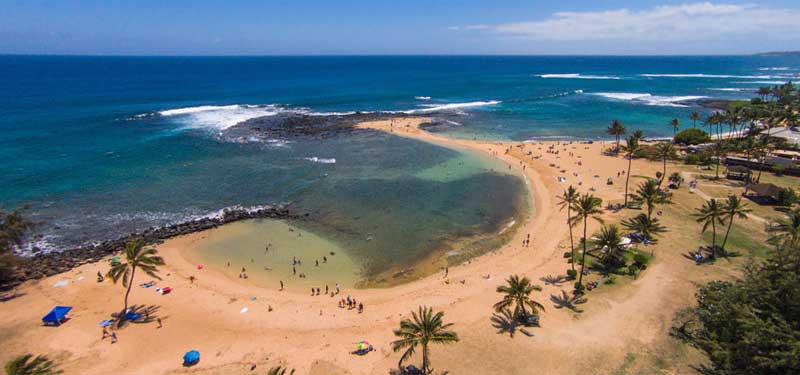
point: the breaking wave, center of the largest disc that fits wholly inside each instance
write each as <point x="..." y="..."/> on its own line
<point x="576" y="76"/>
<point x="315" y="159"/>
<point x="649" y="99"/>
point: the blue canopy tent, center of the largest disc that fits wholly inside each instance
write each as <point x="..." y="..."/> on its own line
<point x="57" y="315"/>
<point x="191" y="358"/>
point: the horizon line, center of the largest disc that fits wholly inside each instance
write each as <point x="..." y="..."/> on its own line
<point x="2" y="54"/>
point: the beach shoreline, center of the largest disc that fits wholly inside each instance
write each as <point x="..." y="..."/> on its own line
<point x="235" y="322"/>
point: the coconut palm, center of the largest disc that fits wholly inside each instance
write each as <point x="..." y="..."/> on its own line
<point x="517" y="292"/>
<point x="27" y="364"/>
<point x="650" y="194"/>
<point x="616" y="129"/>
<point x="609" y="242"/>
<point x="630" y="148"/>
<point x="587" y="206"/>
<point x="136" y="257"/>
<point x="675" y="125"/>
<point x="733" y="208"/>
<point x="786" y="232"/>
<point x="719" y="151"/>
<point x="566" y="200"/>
<point x="664" y="151"/>
<point x="649" y="227"/>
<point x="694" y="116"/>
<point x="422" y="329"/>
<point x="710" y="214"/>
<point x="764" y="92"/>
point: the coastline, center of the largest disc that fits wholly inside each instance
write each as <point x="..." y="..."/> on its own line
<point x="314" y="336"/>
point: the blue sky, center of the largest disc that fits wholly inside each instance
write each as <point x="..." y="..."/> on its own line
<point x="268" y="27"/>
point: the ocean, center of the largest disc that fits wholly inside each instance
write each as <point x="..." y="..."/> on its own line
<point x="98" y="147"/>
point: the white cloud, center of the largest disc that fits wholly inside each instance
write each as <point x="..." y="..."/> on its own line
<point x="668" y="23"/>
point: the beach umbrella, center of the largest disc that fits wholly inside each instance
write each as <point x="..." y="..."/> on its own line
<point x="362" y="345"/>
<point x="191" y="358"/>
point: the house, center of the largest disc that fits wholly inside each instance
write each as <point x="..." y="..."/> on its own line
<point x="764" y="193"/>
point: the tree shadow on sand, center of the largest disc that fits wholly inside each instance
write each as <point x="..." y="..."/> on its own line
<point x="144" y="314"/>
<point x="505" y="322"/>
<point x="570" y="302"/>
<point x="554" y="280"/>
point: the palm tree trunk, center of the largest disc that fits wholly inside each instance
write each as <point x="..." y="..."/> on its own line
<point x="728" y="231"/>
<point x="583" y="257"/>
<point x="130" y="283"/>
<point x="616" y="150"/>
<point x="664" y="173"/>
<point x="425" y="357"/>
<point x="571" y="242"/>
<point x="627" y="178"/>
<point x="714" y="237"/>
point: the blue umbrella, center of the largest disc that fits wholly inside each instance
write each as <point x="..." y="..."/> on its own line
<point x="191" y="358"/>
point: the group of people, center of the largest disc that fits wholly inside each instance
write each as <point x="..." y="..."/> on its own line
<point x="350" y="303"/>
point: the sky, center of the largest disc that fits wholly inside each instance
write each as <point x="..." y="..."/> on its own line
<point x="346" y="27"/>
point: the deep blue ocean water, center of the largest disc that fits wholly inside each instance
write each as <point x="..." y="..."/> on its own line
<point x="100" y="146"/>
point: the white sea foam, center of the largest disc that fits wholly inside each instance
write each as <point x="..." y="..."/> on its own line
<point x="700" y="75"/>
<point x="778" y="68"/>
<point x="315" y="159"/>
<point x="649" y="99"/>
<point x="763" y="82"/>
<point x="451" y="106"/>
<point x="576" y="76"/>
<point x="218" y="117"/>
<point x="202" y="108"/>
<point x="422" y="97"/>
<point x="730" y="89"/>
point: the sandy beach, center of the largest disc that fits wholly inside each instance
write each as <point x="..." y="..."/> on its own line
<point x="235" y="323"/>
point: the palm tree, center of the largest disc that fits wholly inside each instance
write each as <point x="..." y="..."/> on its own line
<point x="27" y="364"/>
<point x="278" y="370"/>
<point x="710" y="214"/>
<point x="733" y="208"/>
<point x="587" y="206"/>
<point x="694" y="116"/>
<point x="609" y="242"/>
<point x="424" y="328"/>
<point x="786" y="231"/>
<point x="631" y="146"/>
<point x="719" y="151"/>
<point x="664" y="151"/>
<point x="517" y="292"/>
<point x="764" y="92"/>
<point x="616" y="129"/>
<point x="675" y="125"/>
<point x="650" y="194"/>
<point x="136" y="257"/>
<point x="566" y="200"/>
<point x="646" y="226"/>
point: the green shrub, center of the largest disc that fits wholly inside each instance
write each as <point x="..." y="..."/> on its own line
<point x="692" y="136"/>
<point x="779" y="170"/>
<point x="579" y="288"/>
<point x="786" y="197"/>
<point x="640" y="259"/>
<point x="633" y="270"/>
<point x="610" y="280"/>
<point x="572" y="274"/>
<point x="700" y="158"/>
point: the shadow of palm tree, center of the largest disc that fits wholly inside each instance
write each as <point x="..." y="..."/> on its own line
<point x="570" y="302"/>
<point x="554" y="280"/>
<point x="146" y="314"/>
<point x="505" y="322"/>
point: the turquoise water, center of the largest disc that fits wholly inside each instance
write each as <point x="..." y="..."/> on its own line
<point x="101" y="146"/>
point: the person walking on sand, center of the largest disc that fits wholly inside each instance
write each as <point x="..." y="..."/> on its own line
<point x="105" y="333"/>
<point x="159" y="322"/>
<point x="446" y="272"/>
<point x="113" y="337"/>
<point x="281" y="285"/>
